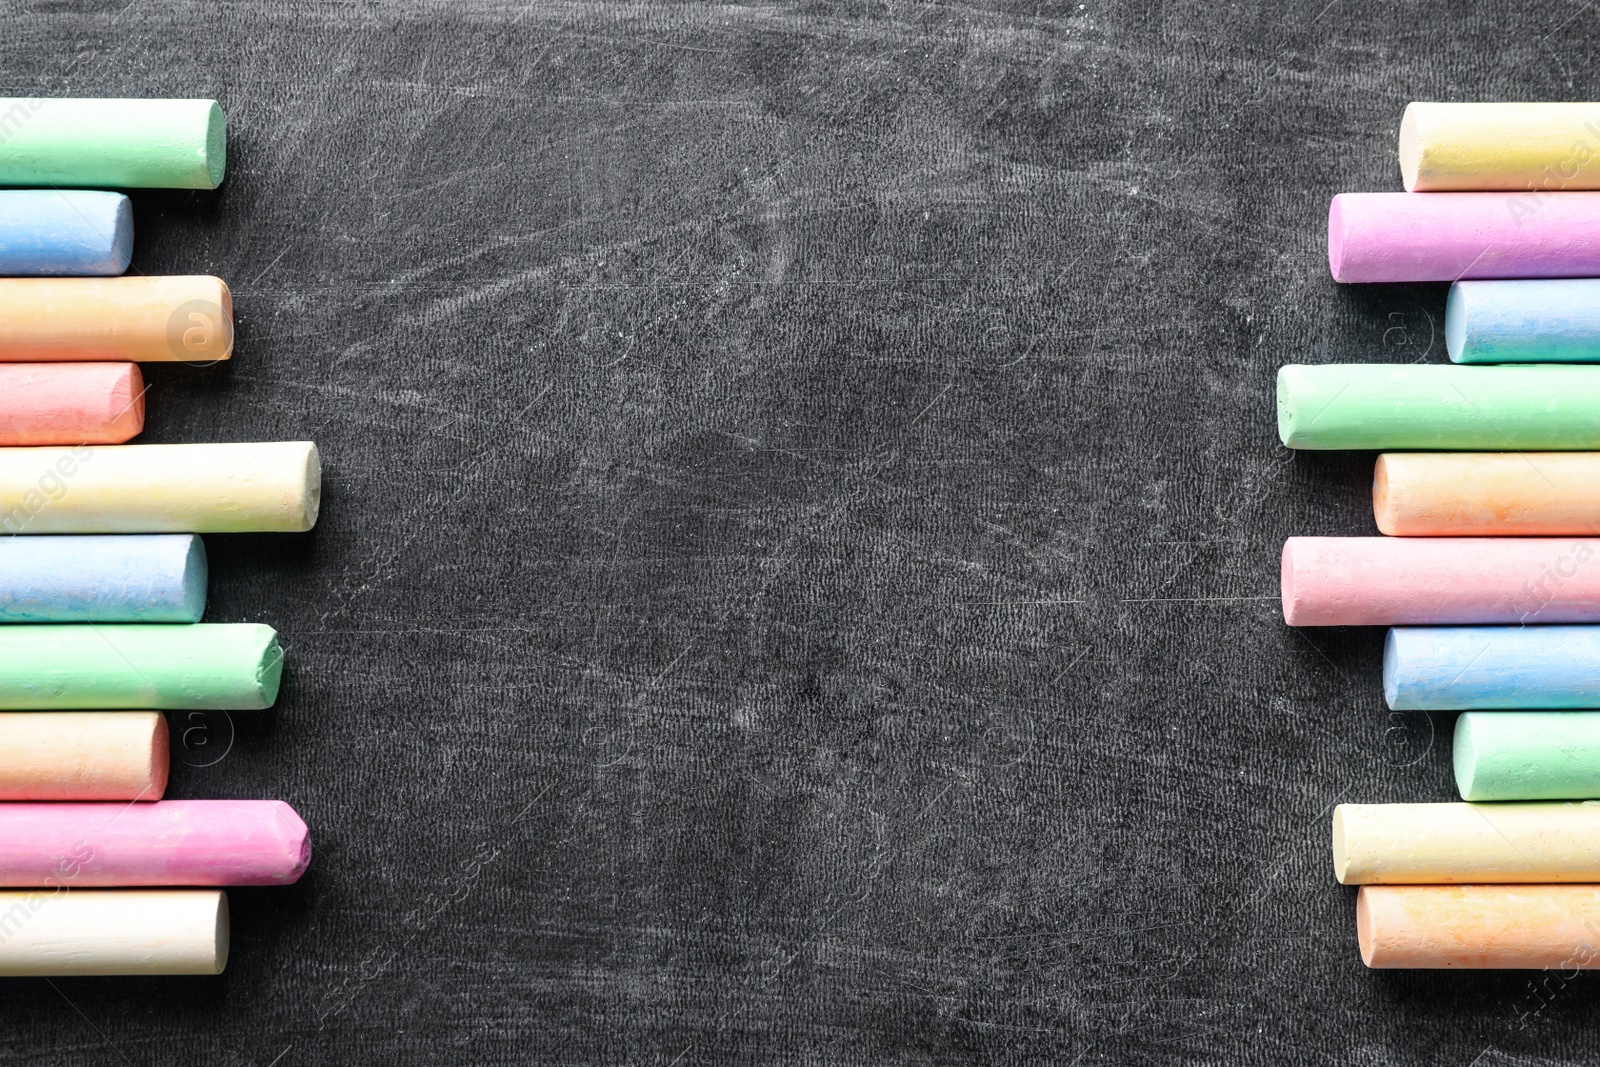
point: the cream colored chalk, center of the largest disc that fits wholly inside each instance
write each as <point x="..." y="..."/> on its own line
<point x="66" y="931"/>
<point x="1400" y="844"/>
<point x="83" y="755"/>
<point x="202" y="488"/>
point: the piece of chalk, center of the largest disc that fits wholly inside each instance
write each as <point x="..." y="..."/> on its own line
<point x="66" y="931"/>
<point x="83" y="755"/>
<point x="274" y="487"/>
<point x="70" y="403"/>
<point x="171" y="842"/>
<point x="64" y="232"/>
<point x="1410" y="581"/>
<point x="1420" y="406"/>
<point x="112" y="578"/>
<point x="1420" y="844"/>
<point x="1551" y="320"/>
<point x="1527" y="755"/>
<point x="1467" y="927"/>
<point x="184" y="318"/>
<point x="1534" y="148"/>
<point x="1444" y="237"/>
<point x="1481" y="668"/>
<point x="113" y="143"/>
<point x="199" y="667"/>
<point x="1457" y="494"/>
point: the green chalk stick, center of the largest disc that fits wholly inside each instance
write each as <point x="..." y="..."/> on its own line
<point x="118" y="144"/>
<point x="1528" y="755"/>
<point x="1416" y="406"/>
<point x="200" y="667"/>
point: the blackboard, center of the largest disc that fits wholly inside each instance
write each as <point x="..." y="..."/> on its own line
<point x="797" y="579"/>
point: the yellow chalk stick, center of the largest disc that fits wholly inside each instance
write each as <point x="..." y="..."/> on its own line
<point x="204" y="488"/>
<point x="187" y="318"/>
<point x="1479" y="926"/>
<point x="1536" y="148"/>
<point x="83" y="755"/>
<point x="1398" y="844"/>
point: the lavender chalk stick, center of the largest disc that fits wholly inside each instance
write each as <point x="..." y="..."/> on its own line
<point x="115" y="578"/>
<point x="1444" y="237"/>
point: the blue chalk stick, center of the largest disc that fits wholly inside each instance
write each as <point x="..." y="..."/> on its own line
<point x="1543" y="321"/>
<point x="109" y="578"/>
<point x="64" y="232"/>
<point x="1472" y="668"/>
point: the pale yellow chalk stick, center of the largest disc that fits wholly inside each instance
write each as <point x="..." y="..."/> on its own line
<point x="65" y="931"/>
<point x="1399" y="844"/>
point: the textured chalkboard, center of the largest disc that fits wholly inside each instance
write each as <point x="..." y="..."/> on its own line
<point x="797" y="580"/>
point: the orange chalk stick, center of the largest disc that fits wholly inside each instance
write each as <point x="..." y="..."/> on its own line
<point x="143" y="320"/>
<point x="70" y="403"/>
<point x="1495" y="494"/>
<point x="1479" y="926"/>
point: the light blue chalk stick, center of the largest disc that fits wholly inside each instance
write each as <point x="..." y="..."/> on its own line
<point x="111" y="578"/>
<point x="1475" y="668"/>
<point x="64" y="232"/>
<point x="1536" y="321"/>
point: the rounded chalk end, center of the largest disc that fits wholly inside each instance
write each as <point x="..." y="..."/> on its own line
<point x="1341" y="859"/>
<point x="1391" y="669"/>
<point x="121" y="251"/>
<point x="1286" y="583"/>
<point x="297" y="842"/>
<point x="1286" y="426"/>
<point x="160" y="757"/>
<point x="196" y="572"/>
<point x="1410" y="147"/>
<point x="216" y="145"/>
<point x="1455" y="322"/>
<point x="1464" y="757"/>
<point x="1382" y="507"/>
<point x="125" y="399"/>
<point x="311" y="497"/>
<point x="1366" y="936"/>
<point x="221" y="936"/>
<point x="1336" y="238"/>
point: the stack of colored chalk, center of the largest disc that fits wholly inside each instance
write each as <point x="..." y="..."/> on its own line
<point x="1491" y="503"/>
<point x="102" y="576"/>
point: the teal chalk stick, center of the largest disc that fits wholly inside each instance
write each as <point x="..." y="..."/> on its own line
<point x="1528" y="755"/>
<point x="112" y="144"/>
<point x="1553" y="320"/>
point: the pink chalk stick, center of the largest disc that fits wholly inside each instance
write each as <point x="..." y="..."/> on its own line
<point x="1401" y="581"/>
<point x="70" y="403"/>
<point x="1443" y="237"/>
<point x="170" y="842"/>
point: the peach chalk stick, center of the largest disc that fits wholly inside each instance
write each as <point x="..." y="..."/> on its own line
<point x="68" y="931"/>
<point x="1428" y="844"/>
<point x="83" y="755"/>
<point x="1479" y="927"/>
<point x="1416" y="581"/>
<point x="1456" y="494"/>
<point x="70" y="403"/>
<point x="170" y="842"/>
<point x="139" y="319"/>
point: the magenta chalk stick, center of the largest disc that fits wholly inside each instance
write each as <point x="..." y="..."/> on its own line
<point x="170" y="842"/>
<point x="1406" y="581"/>
<point x="1444" y="237"/>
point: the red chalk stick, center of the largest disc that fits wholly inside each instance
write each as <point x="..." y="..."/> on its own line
<point x="70" y="403"/>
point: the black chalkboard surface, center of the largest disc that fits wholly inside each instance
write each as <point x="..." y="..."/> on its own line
<point x="798" y="570"/>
